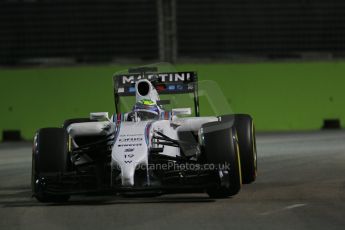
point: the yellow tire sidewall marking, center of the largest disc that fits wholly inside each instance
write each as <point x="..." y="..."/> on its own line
<point x="254" y="149"/>
<point x="238" y="159"/>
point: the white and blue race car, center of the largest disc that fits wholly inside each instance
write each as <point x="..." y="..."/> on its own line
<point x="150" y="149"/>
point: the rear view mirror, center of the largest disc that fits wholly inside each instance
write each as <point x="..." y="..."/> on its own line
<point x="181" y="111"/>
<point x="99" y="116"/>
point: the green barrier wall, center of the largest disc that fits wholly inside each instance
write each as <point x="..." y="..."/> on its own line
<point x="280" y="96"/>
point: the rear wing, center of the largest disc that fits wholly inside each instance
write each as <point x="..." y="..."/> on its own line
<point x="165" y="83"/>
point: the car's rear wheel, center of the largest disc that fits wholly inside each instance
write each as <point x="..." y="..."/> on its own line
<point x="49" y="155"/>
<point x="220" y="147"/>
<point x="246" y="137"/>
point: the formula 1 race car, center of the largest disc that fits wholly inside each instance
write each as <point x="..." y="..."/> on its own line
<point x="150" y="149"/>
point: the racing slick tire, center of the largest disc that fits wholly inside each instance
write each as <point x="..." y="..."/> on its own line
<point x="75" y="120"/>
<point x="49" y="155"/>
<point x="221" y="149"/>
<point x="246" y="137"/>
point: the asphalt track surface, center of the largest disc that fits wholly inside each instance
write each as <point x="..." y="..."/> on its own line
<point x="301" y="185"/>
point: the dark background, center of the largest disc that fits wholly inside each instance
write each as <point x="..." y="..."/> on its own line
<point x="103" y="31"/>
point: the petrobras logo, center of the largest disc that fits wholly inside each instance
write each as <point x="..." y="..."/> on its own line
<point x="129" y="150"/>
<point x="171" y="87"/>
<point x="165" y="77"/>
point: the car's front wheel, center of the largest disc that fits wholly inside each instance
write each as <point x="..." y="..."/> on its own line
<point x="221" y="150"/>
<point x="49" y="156"/>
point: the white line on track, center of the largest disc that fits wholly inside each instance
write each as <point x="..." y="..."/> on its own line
<point x="290" y="207"/>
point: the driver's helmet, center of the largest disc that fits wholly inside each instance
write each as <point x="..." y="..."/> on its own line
<point x="146" y="109"/>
